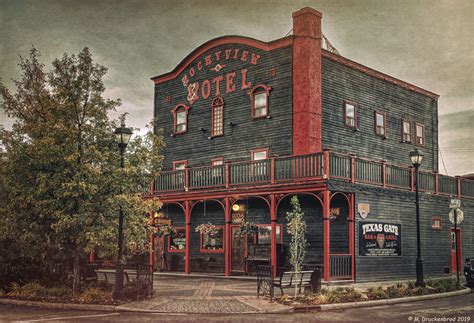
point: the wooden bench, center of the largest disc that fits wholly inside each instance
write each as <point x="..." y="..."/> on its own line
<point x="289" y="279"/>
<point x="109" y="276"/>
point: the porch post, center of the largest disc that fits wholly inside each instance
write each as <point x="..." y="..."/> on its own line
<point x="326" y="235"/>
<point x="351" y="233"/>
<point x="187" y="219"/>
<point x="151" y="240"/>
<point x="273" y="220"/>
<point x="227" y="236"/>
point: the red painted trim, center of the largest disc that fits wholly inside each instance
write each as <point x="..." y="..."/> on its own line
<point x="259" y="89"/>
<point x="326" y="164"/>
<point x="453" y="254"/>
<point x="228" y="237"/>
<point x="326" y="234"/>
<point x="218" y="102"/>
<point x="352" y="233"/>
<point x="179" y="108"/>
<point x="187" y="219"/>
<point x="371" y="72"/>
<point x="176" y="162"/>
<point x="423" y="136"/>
<point x="384" y="114"/>
<point x="169" y="241"/>
<point x="384" y="173"/>
<point x="355" y="105"/>
<point x="278" y="43"/>
<point x="91" y="256"/>
<point x="403" y="130"/>
<point x="202" y="250"/>
<point x="353" y="171"/>
<point x="458" y="180"/>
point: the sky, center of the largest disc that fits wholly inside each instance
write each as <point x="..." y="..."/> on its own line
<point x="428" y="43"/>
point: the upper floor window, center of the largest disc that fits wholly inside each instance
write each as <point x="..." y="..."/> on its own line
<point x="406" y="131"/>
<point x="217" y="117"/>
<point x="420" y="134"/>
<point x="380" y="124"/>
<point x="259" y="95"/>
<point x="217" y="161"/>
<point x="350" y="114"/>
<point x="259" y="169"/>
<point x="217" y="171"/>
<point x="180" y="115"/>
<point x="180" y="165"/>
<point x="260" y="154"/>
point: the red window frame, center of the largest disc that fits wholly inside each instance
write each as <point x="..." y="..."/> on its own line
<point x="202" y="250"/>
<point x="404" y="121"/>
<point x="216" y="172"/>
<point x="255" y="240"/>
<point x="436" y="218"/>
<point x="185" y="162"/>
<point x="423" y="137"/>
<point x="259" y="89"/>
<point x="376" y="128"/>
<point x="217" y="103"/>
<point x="177" y="109"/>
<point x="169" y="241"/>
<point x="258" y="150"/>
<point x="217" y="159"/>
<point x="355" y="105"/>
<point x="256" y="169"/>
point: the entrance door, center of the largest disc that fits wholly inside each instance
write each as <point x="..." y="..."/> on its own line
<point x="453" y="250"/>
<point x="159" y="254"/>
<point x="238" y="249"/>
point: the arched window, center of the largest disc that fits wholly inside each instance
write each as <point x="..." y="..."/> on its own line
<point x="259" y="96"/>
<point x="180" y="116"/>
<point x="217" y="107"/>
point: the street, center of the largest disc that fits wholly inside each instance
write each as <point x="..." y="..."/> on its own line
<point x="454" y="309"/>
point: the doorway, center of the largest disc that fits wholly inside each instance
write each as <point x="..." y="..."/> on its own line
<point x="238" y="250"/>
<point x="456" y="238"/>
<point x="159" y="255"/>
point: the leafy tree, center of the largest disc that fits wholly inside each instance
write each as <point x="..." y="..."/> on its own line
<point x="60" y="165"/>
<point x="296" y="227"/>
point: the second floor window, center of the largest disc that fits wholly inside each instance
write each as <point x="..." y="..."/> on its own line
<point x="217" y="117"/>
<point x="180" y="114"/>
<point x="380" y="124"/>
<point x="259" y="95"/>
<point x="420" y="134"/>
<point x="350" y="115"/>
<point x="180" y="165"/>
<point x="406" y="131"/>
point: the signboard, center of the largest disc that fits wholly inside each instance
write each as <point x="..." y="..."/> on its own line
<point x="158" y="221"/>
<point x="363" y="209"/>
<point x="378" y="239"/>
<point x="238" y="218"/>
<point x="454" y="204"/>
<point x="460" y="216"/>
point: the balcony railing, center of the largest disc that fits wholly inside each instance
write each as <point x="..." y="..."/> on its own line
<point x="319" y="166"/>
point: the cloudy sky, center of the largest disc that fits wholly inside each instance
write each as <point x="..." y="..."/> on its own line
<point x="425" y="42"/>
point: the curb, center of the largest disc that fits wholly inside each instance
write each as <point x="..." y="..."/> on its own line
<point x="339" y="306"/>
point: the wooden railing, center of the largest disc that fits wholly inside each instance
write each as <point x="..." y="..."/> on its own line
<point x="340" y="266"/>
<point x="319" y="166"/>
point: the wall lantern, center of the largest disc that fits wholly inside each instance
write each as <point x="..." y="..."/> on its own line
<point x="235" y="207"/>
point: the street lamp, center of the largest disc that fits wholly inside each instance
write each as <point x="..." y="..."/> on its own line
<point x="416" y="159"/>
<point x="122" y="136"/>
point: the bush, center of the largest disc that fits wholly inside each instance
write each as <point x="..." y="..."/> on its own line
<point x="29" y="290"/>
<point x="376" y="293"/>
<point x="95" y="295"/>
<point x="137" y="289"/>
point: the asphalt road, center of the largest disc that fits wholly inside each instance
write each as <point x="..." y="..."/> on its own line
<point x="453" y="309"/>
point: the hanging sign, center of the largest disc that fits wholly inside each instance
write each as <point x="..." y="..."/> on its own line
<point x="460" y="216"/>
<point x="363" y="209"/>
<point x="158" y="221"/>
<point x="378" y="239"/>
<point x="238" y="217"/>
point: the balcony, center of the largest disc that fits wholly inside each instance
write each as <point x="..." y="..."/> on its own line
<point x="309" y="168"/>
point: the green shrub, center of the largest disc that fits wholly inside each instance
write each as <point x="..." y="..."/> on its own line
<point x="95" y="295"/>
<point x="376" y="293"/>
<point x="136" y="289"/>
<point x="29" y="290"/>
<point x="59" y="292"/>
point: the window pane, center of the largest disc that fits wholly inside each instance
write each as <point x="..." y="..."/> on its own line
<point x="260" y="100"/>
<point x="178" y="242"/>
<point x="214" y="241"/>
<point x="259" y="155"/>
<point x="419" y="135"/>
<point x="218" y="117"/>
<point x="350" y="110"/>
<point x="406" y="127"/>
<point x="181" y="117"/>
<point x="180" y="166"/>
<point x="380" y="119"/>
<point x="217" y="162"/>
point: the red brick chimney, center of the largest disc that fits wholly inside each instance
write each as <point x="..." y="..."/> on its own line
<point x="307" y="101"/>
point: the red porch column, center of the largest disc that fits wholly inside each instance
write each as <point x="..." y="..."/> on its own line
<point x="187" y="219"/>
<point x="151" y="240"/>
<point x="91" y="256"/>
<point x="273" y="220"/>
<point x="352" y="232"/>
<point x="228" y="237"/>
<point x="326" y="235"/>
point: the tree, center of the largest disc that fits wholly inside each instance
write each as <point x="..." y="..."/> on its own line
<point x="296" y="227"/>
<point x="60" y="165"/>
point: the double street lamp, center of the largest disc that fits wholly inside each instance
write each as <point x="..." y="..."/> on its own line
<point x="122" y="136"/>
<point x="416" y="157"/>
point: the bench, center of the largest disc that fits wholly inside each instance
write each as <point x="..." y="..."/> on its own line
<point x="289" y="279"/>
<point x="109" y="276"/>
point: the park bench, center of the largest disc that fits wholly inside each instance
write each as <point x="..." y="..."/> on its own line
<point x="109" y="276"/>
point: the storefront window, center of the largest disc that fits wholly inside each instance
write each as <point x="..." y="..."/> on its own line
<point x="177" y="243"/>
<point x="214" y="241"/>
<point x="264" y="234"/>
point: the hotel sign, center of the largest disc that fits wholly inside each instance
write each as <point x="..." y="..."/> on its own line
<point x="378" y="239"/>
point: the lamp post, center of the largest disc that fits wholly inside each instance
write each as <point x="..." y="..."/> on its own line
<point x="416" y="159"/>
<point x="122" y="135"/>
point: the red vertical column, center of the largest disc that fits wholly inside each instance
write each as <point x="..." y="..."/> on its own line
<point x="91" y="256"/>
<point x="412" y="179"/>
<point x="273" y="220"/>
<point x="458" y="181"/>
<point x="151" y="240"/>
<point x="352" y="232"/>
<point x="187" y="218"/>
<point x="326" y="235"/>
<point x="227" y="235"/>
<point x="326" y="163"/>
<point x="353" y="169"/>
<point x="384" y="173"/>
